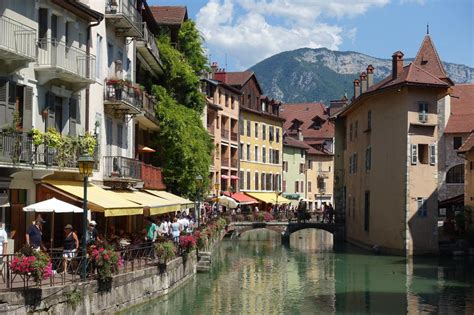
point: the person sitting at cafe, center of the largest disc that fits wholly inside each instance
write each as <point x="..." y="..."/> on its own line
<point x="34" y="234"/>
<point x="71" y="245"/>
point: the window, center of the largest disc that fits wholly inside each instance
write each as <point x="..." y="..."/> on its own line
<point x="301" y="186"/>
<point x="423" y="112"/>
<point x="284" y="186"/>
<point x="241" y="180"/>
<point x="356" y="127"/>
<point x="350" y="164"/>
<point x="368" y="159"/>
<point x="457" y="142"/>
<point x="54" y="27"/>
<point x="302" y="153"/>
<point x="350" y="132"/>
<point x="270" y="133"/>
<point x="264" y="155"/>
<point x="264" y="132"/>
<point x="297" y="187"/>
<point x="367" y="211"/>
<point x="67" y="30"/>
<point x="277" y="156"/>
<point x="309" y="186"/>
<point x="321" y="184"/>
<point x="42" y="23"/>
<point x="241" y="151"/>
<point x="301" y="168"/>
<point x="262" y="181"/>
<point x="353" y="164"/>
<point x="285" y="166"/>
<point x="268" y="183"/>
<point x="423" y="153"/>
<point x="248" y="128"/>
<point x="455" y="175"/>
<point x="256" y="153"/>
<point x="248" y="180"/>
<point x="278" y="135"/>
<point x="248" y="152"/>
<point x="110" y="54"/>
<point x="369" y="120"/>
<point x="241" y="127"/>
<point x="256" y="181"/>
<point x="256" y="130"/>
<point x="432" y="154"/>
<point x="119" y="135"/>
<point x="422" y="207"/>
<point x="310" y="165"/>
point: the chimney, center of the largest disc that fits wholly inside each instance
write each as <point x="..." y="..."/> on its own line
<point x="363" y="83"/>
<point x="370" y="76"/>
<point x="213" y="69"/>
<point x="300" y="135"/>
<point x="220" y="75"/>
<point x="356" y="88"/>
<point x="397" y="64"/>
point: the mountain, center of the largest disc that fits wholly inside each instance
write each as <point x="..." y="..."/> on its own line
<point x="308" y="75"/>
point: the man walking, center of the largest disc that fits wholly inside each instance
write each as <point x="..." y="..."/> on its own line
<point x="34" y="234"/>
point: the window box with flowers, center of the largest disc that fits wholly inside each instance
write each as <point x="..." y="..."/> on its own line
<point x="28" y="263"/>
<point x="107" y="262"/>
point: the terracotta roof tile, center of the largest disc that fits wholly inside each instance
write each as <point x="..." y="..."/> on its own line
<point x="292" y="142"/>
<point x="169" y="15"/>
<point x="238" y="78"/>
<point x="462" y="109"/>
<point x="468" y="144"/>
<point x="306" y="112"/>
<point x="428" y="59"/>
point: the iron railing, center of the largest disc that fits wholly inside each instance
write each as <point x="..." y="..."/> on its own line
<point x="148" y="106"/>
<point x="225" y="161"/>
<point x="127" y="9"/>
<point x="52" y="53"/>
<point x="116" y="92"/>
<point x="233" y="136"/>
<point x="150" y="41"/>
<point x="17" y="148"/>
<point x="225" y="134"/>
<point x="17" y="38"/>
<point x="233" y="162"/>
<point x="119" y="167"/>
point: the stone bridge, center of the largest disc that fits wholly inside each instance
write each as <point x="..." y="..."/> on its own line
<point x="285" y="228"/>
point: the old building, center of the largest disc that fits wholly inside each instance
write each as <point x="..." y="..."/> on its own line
<point x="310" y="122"/>
<point x="386" y="156"/>
<point x="222" y="116"/>
<point x="294" y="169"/>
<point x="467" y="152"/>
<point x="260" y="137"/>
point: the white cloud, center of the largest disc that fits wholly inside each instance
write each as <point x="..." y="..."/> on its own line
<point x="251" y="30"/>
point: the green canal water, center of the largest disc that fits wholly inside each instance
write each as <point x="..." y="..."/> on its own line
<point x="257" y="275"/>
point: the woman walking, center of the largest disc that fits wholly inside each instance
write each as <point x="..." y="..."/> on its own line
<point x="71" y="244"/>
<point x="175" y="230"/>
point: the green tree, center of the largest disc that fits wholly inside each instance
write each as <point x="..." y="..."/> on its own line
<point x="190" y="44"/>
<point x="180" y="79"/>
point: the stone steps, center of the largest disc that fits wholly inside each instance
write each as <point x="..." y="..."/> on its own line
<point x="204" y="262"/>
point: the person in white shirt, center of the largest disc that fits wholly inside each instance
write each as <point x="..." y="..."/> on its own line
<point x="163" y="229"/>
<point x="3" y="240"/>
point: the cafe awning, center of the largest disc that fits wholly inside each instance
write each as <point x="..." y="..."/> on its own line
<point x="241" y="198"/>
<point x="183" y="202"/>
<point x="99" y="199"/>
<point x="268" y="197"/>
<point x="156" y="204"/>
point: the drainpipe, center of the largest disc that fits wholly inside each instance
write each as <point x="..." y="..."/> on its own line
<point x="88" y="49"/>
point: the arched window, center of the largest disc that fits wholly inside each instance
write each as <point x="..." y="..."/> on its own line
<point x="455" y="175"/>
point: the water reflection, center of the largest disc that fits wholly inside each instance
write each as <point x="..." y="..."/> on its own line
<point x="264" y="277"/>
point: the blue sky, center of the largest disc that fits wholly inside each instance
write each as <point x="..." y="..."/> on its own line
<point x="248" y="31"/>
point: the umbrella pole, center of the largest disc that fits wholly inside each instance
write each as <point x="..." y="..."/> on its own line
<point x="52" y="236"/>
<point x="105" y="232"/>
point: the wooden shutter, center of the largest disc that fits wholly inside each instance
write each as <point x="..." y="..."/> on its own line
<point x="432" y="154"/>
<point x="414" y="154"/>
<point x="27" y="108"/>
<point x="72" y="116"/>
<point x="3" y="102"/>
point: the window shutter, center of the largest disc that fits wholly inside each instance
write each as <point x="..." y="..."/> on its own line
<point x="72" y="116"/>
<point x="355" y="162"/>
<point x="49" y="106"/>
<point x="432" y="154"/>
<point x="296" y="187"/>
<point x="27" y="108"/>
<point x="414" y="154"/>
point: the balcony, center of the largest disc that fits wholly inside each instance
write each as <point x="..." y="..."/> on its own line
<point x="234" y="163"/>
<point x="123" y="98"/>
<point x="18" y="150"/>
<point x="17" y="45"/>
<point x="147" y="118"/>
<point x="234" y="136"/>
<point x="152" y="177"/>
<point x="225" y="161"/>
<point x="148" y="49"/>
<point x="225" y="134"/>
<point x="122" y="169"/>
<point x="210" y="129"/>
<point x="124" y="17"/>
<point x="69" y="66"/>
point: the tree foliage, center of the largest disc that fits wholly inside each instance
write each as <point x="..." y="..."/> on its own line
<point x="190" y="44"/>
<point x="185" y="145"/>
<point x="180" y="79"/>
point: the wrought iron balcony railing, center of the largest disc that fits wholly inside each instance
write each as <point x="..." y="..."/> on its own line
<point x="17" y="39"/>
<point x="122" y="168"/>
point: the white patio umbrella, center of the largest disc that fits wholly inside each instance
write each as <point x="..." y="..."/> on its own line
<point x="53" y="206"/>
<point x="227" y="202"/>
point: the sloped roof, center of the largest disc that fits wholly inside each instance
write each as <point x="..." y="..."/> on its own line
<point x="305" y="112"/>
<point x="295" y="143"/>
<point x="169" y="15"/>
<point x="461" y="119"/>
<point x="238" y="78"/>
<point x="427" y="58"/>
<point x="468" y="144"/>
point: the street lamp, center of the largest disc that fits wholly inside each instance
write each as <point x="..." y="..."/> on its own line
<point x="199" y="181"/>
<point x="86" y="165"/>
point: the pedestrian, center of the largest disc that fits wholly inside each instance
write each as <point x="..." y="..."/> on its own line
<point x="3" y="241"/>
<point x="34" y="234"/>
<point x="331" y="213"/>
<point x="70" y="246"/>
<point x="92" y="236"/>
<point x="151" y="230"/>
<point x="175" y="230"/>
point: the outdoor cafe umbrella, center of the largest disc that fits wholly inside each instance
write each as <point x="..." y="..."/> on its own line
<point x="227" y="202"/>
<point x="53" y="206"/>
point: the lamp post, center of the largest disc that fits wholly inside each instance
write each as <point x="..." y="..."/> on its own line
<point x="199" y="181"/>
<point x="86" y="165"/>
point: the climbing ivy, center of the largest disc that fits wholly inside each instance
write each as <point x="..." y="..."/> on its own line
<point x="190" y="44"/>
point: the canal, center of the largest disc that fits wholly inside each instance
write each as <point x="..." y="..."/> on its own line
<point x="257" y="275"/>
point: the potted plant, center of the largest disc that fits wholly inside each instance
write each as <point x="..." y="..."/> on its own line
<point x="187" y="243"/>
<point x="29" y="263"/>
<point x="165" y="250"/>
